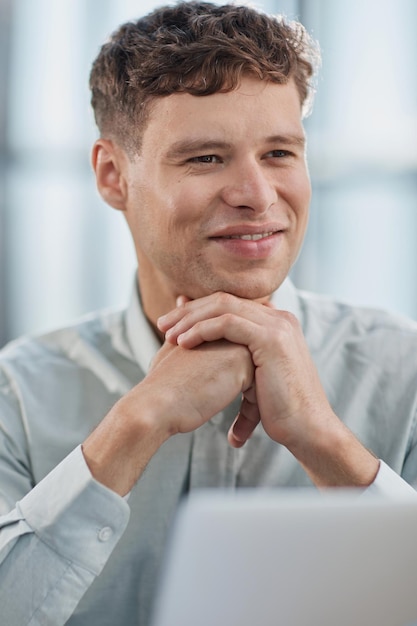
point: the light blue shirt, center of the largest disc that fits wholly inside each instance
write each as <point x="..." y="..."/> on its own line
<point x="72" y="551"/>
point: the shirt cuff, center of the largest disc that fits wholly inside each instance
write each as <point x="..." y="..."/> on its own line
<point x="389" y="484"/>
<point x="75" y="515"/>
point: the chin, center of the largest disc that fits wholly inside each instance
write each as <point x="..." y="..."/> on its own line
<point x="247" y="289"/>
<point x="254" y="292"/>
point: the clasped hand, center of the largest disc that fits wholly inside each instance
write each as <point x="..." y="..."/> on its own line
<point x="285" y="393"/>
<point x="217" y="347"/>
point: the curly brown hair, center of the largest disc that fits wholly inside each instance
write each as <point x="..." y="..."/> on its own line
<point x="194" y="47"/>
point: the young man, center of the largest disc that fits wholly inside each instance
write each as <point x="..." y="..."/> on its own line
<point x="220" y="373"/>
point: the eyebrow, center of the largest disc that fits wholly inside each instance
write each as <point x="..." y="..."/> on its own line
<point x="185" y="147"/>
<point x="288" y="140"/>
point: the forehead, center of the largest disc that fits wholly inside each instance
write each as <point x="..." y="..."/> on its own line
<point x="254" y="108"/>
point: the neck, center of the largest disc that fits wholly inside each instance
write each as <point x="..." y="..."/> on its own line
<point x="156" y="301"/>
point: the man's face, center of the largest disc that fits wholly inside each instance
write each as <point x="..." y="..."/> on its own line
<point x="218" y="196"/>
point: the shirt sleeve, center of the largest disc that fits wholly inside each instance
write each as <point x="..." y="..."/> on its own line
<point x="55" y="542"/>
<point x="390" y="485"/>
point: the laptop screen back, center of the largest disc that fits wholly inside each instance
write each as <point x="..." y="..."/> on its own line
<point x="290" y="558"/>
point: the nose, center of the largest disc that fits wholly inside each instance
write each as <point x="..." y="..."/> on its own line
<point x="249" y="186"/>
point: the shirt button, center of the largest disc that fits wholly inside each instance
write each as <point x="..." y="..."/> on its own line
<point x="104" y="533"/>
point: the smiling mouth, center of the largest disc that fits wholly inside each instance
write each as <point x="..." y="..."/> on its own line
<point x="254" y="237"/>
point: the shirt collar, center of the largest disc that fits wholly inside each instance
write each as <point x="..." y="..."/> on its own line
<point x="145" y="344"/>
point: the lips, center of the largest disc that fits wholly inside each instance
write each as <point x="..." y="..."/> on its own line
<point x="249" y="241"/>
<point x="254" y="237"/>
<point x="248" y="232"/>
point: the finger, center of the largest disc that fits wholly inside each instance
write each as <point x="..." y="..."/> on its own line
<point x="191" y="327"/>
<point x="244" y="425"/>
<point x="164" y="322"/>
<point x="184" y="316"/>
<point x="181" y="300"/>
<point x="230" y="327"/>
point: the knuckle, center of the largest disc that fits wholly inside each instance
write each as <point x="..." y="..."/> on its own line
<point x="227" y="318"/>
<point x="223" y="298"/>
<point x="288" y="320"/>
<point x="287" y="325"/>
<point x="200" y="330"/>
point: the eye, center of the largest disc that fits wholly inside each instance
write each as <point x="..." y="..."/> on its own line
<point x="279" y="153"/>
<point x="206" y="158"/>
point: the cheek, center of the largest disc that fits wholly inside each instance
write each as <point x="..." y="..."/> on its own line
<point x="186" y="208"/>
<point x="300" y="192"/>
<point x="145" y="219"/>
<point x="165" y="223"/>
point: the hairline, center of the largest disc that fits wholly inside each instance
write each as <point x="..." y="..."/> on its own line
<point x="145" y="111"/>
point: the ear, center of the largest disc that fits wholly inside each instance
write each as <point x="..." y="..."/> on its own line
<point x="109" y="164"/>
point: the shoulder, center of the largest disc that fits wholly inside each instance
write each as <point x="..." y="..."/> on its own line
<point x="328" y="321"/>
<point x="91" y="333"/>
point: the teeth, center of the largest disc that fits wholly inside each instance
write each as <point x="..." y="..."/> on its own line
<point x="251" y="237"/>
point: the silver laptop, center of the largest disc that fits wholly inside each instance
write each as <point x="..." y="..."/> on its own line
<point x="290" y="558"/>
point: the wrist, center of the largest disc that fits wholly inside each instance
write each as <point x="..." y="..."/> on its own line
<point x="121" y="446"/>
<point x="333" y="457"/>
